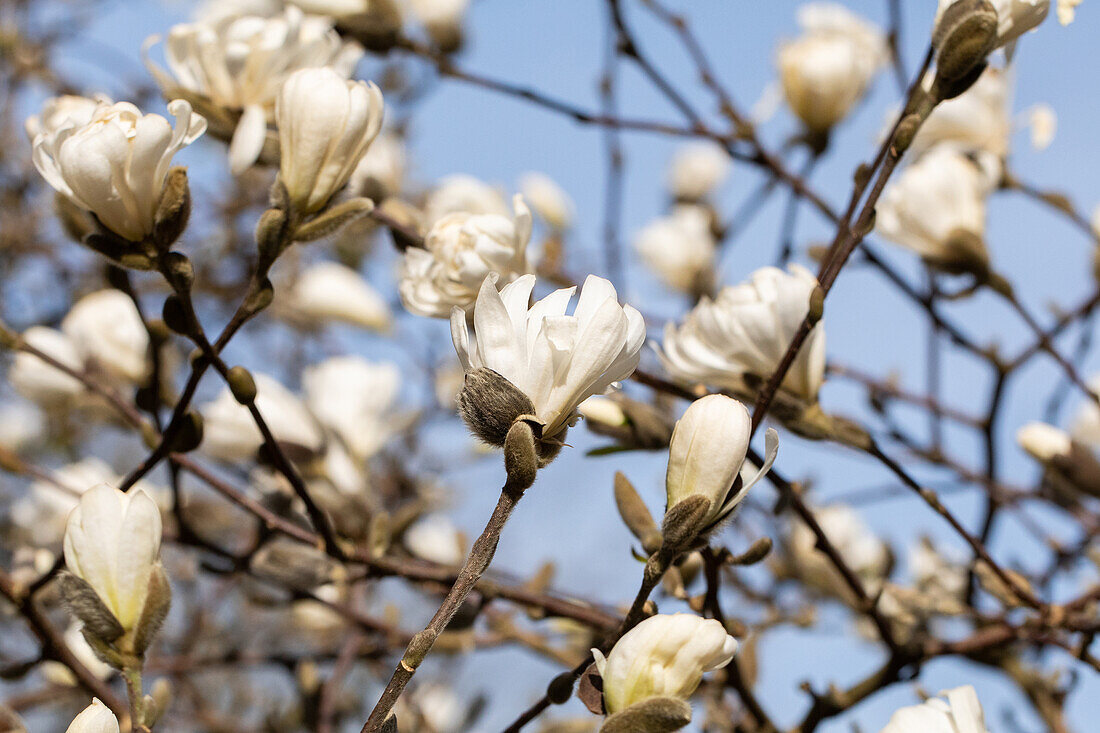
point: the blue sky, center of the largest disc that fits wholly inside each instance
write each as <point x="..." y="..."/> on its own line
<point x="556" y="46"/>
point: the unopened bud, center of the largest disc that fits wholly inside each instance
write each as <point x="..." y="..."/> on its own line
<point x="682" y="523"/>
<point x="190" y="433"/>
<point x="173" y="209"/>
<point x="260" y="297"/>
<point x="521" y="460"/>
<point x="489" y="404"/>
<point x="907" y="130"/>
<point x="756" y="552"/>
<point x="175" y="315"/>
<point x="271" y="237"/>
<point x="242" y="385"/>
<point x="560" y="689"/>
<point x="817" y="304"/>
<point x="636" y="514"/>
<point x="332" y="219"/>
<point x="964" y="36"/>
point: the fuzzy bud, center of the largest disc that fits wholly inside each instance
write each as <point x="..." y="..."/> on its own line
<point x="965" y="34"/>
<point x="490" y="404"/>
<point x="173" y="209"/>
<point x="654" y="715"/>
<point x="242" y="385"/>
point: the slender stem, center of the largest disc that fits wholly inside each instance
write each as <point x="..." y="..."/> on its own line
<point x="476" y="563"/>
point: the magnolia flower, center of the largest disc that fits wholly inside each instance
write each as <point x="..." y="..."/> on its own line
<point x="1044" y="442"/>
<point x="827" y="70"/>
<point x="556" y="360"/>
<point x="336" y="8"/>
<point x="381" y="171"/>
<point x="460" y="250"/>
<point x="679" y="247"/>
<point x="212" y="11"/>
<point x="65" y="111"/>
<point x="697" y="169"/>
<point x="40" y="382"/>
<point x="329" y="291"/>
<point x="436" y="539"/>
<point x="706" y="454"/>
<point x="961" y="712"/>
<point x="861" y="550"/>
<point x="230" y="433"/>
<point x="22" y="424"/>
<point x="353" y="398"/>
<point x="1014" y="18"/>
<point x="96" y="718"/>
<point x="936" y="208"/>
<point x="548" y="200"/>
<point x="462" y="194"/>
<point x="602" y="410"/>
<point x="325" y="125"/>
<point x="746" y="331"/>
<point x="442" y="19"/>
<point x="664" y="656"/>
<point x="1085" y="427"/>
<point x="112" y="542"/>
<point x="107" y="331"/>
<point x="240" y="62"/>
<point x="115" y="165"/>
<point x="976" y="122"/>
<point x="1067" y="9"/>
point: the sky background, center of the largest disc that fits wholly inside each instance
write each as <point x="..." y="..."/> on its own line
<point x="557" y="47"/>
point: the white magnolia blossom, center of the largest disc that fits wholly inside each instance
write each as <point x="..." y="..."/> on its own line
<point x="463" y="194"/>
<point x="936" y="206"/>
<point x="107" y="331"/>
<point x="442" y="19"/>
<point x="329" y="291"/>
<point x="353" y="398"/>
<point x="861" y="550"/>
<point x="326" y="123"/>
<point x="1085" y="427"/>
<point x="96" y="718"/>
<point x="664" y="656"/>
<point x="40" y="382"/>
<point x="116" y="164"/>
<point x="381" y="171"/>
<point x="1014" y="18"/>
<point x="112" y="541"/>
<point x="548" y="199"/>
<point x="976" y="122"/>
<point x="460" y="251"/>
<point x="22" y="424"/>
<point x="953" y="711"/>
<point x="1044" y="442"/>
<point x="746" y="330"/>
<point x="557" y="360"/>
<point x="336" y="8"/>
<point x="241" y="61"/>
<point x="436" y="539"/>
<point x="679" y="247"/>
<point x="67" y="110"/>
<point x="1067" y="10"/>
<point x="697" y="169"/>
<point x="230" y="433"/>
<point x="707" y="452"/>
<point x="213" y="11"/>
<point x="827" y="70"/>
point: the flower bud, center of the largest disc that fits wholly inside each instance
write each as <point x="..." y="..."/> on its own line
<point x="953" y="710"/>
<point x="112" y="544"/>
<point x="96" y="718"/>
<point x="964" y="35"/>
<point x="325" y="125"/>
<point x="664" y="656"/>
<point x="708" y="448"/>
<point x="489" y="404"/>
<point x="1044" y="442"/>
